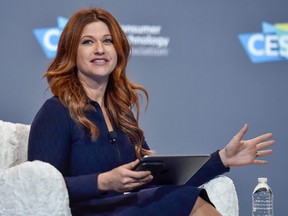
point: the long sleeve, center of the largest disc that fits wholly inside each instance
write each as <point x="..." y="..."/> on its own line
<point x="209" y="170"/>
<point x="50" y="141"/>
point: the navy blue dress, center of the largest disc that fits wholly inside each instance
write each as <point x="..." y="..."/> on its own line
<point x="56" y="139"/>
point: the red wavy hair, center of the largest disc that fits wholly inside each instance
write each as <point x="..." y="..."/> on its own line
<point x="121" y="95"/>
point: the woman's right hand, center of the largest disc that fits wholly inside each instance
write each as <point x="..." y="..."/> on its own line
<point x="123" y="178"/>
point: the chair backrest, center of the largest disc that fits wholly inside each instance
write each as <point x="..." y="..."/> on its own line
<point x="13" y="144"/>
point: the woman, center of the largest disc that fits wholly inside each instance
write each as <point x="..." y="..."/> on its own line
<point x="89" y="133"/>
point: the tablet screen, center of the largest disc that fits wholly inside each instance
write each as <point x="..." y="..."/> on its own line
<point x="172" y="169"/>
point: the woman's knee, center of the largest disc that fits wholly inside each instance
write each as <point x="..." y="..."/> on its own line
<point x="203" y="208"/>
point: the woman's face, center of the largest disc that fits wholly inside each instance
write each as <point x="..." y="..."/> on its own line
<point x="96" y="55"/>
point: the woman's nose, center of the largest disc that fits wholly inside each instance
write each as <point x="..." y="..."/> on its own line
<point x="99" y="48"/>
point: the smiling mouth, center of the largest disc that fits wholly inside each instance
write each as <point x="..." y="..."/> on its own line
<point x="99" y="60"/>
<point x="102" y="60"/>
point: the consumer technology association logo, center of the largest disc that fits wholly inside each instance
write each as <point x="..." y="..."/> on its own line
<point x="269" y="45"/>
<point x="146" y="40"/>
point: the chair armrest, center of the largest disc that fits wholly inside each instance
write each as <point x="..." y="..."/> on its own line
<point x="222" y="193"/>
<point x="33" y="188"/>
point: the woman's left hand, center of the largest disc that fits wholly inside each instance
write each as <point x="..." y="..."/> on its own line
<point x="239" y="152"/>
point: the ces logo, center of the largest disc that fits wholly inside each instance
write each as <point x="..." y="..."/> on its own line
<point x="269" y="45"/>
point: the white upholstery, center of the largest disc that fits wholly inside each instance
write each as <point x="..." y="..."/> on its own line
<point x="28" y="188"/>
<point x="13" y="144"/>
<point x="222" y="193"/>
<point x="33" y="188"/>
<point x="37" y="188"/>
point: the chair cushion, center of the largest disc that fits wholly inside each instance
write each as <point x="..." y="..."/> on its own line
<point x="221" y="191"/>
<point x="13" y="144"/>
<point x="33" y="188"/>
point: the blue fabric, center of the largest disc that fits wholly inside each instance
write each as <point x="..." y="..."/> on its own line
<point x="55" y="138"/>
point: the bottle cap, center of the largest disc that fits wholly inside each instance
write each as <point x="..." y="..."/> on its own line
<point x="262" y="180"/>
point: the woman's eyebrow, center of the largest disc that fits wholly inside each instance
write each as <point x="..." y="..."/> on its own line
<point x="90" y="36"/>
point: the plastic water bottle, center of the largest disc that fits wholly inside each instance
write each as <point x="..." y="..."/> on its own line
<point x="262" y="199"/>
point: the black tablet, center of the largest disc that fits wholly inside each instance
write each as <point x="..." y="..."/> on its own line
<point x="172" y="169"/>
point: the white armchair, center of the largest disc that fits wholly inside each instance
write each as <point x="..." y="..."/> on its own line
<point x="28" y="188"/>
<point x="37" y="188"/>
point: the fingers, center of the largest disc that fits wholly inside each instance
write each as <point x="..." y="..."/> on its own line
<point x="260" y="162"/>
<point x="131" y="165"/>
<point x="264" y="153"/>
<point x="260" y="142"/>
<point x="242" y="132"/>
<point x="240" y="152"/>
<point x="265" y="144"/>
<point x="139" y="174"/>
<point x="129" y="172"/>
<point x="262" y="145"/>
<point x="146" y="179"/>
<point x="262" y="138"/>
<point x="132" y="183"/>
<point x="136" y="175"/>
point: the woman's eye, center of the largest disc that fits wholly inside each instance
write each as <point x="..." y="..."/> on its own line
<point x="87" y="42"/>
<point x="108" y="41"/>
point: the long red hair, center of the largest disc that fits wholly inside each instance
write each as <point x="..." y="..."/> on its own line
<point x="121" y="95"/>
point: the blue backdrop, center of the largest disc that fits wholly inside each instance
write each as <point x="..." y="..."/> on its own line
<point x="209" y="67"/>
